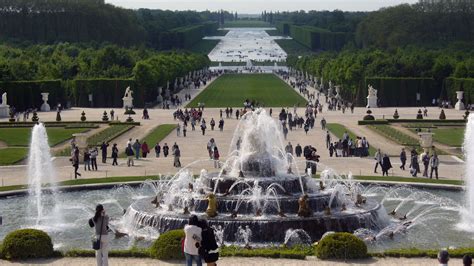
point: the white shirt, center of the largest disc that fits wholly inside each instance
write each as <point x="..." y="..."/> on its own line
<point x="193" y="235"/>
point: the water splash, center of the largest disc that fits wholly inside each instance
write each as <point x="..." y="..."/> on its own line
<point x="467" y="213"/>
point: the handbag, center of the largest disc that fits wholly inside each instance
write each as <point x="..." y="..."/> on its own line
<point x="96" y="242"/>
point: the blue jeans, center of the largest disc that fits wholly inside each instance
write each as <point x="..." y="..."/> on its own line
<point x="190" y="258"/>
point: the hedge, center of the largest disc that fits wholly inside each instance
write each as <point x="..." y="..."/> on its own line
<point x="168" y="246"/>
<point x="186" y="37"/>
<point x="27" y="94"/>
<point x="400" y="91"/>
<point x="27" y="243"/>
<point x="372" y="122"/>
<point x="341" y="246"/>
<point x="317" y="38"/>
<point x="107" y="93"/>
<point x="283" y="27"/>
<point x="452" y="85"/>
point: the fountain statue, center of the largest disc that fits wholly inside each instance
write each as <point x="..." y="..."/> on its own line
<point x="211" y="205"/>
<point x="459" y="104"/>
<point x="128" y="99"/>
<point x="4" y="107"/>
<point x="304" y="210"/>
<point x="372" y="97"/>
<point x="45" y="106"/>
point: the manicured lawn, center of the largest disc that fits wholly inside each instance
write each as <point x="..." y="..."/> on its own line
<point x="158" y="134"/>
<point x="204" y="46"/>
<point x="409" y="179"/>
<point x="338" y="130"/>
<point x="108" y="134"/>
<point x="246" y="24"/>
<point x="232" y="90"/>
<point x="449" y="136"/>
<point x="293" y="47"/>
<point x="9" y="156"/>
<point x="21" y="136"/>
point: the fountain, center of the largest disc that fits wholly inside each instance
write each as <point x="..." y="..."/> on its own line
<point x="467" y="214"/>
<point x="40" y="171"/>
<point x="255" y="192"/>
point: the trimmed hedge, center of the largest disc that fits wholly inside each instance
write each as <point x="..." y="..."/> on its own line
<point x="27" y="243"/>
<point x="372" y="122"/>
<point x="341" y="246"/>
<point x="27" y="94"/>
<point x="317" y="38"/>
<point x="168" y="246"/>
<point x="457" y="84"/>
<point x="106" y="93"/>
<point x="400" y="91"/>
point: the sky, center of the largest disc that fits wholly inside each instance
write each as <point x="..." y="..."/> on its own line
<point x="257" y="6"/>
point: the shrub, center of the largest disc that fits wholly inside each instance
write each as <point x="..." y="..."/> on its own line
<point x="442" y="115"/>
<point x="419" y="115"/>
<point x="58" y="116"/>
<point x="341" y="246"/>
<point x="83" y="116"/>
<point x="168" y="246"/>
<point x="369" y="116"/>
<point x="27" y="243"/>
<point x="395" y="115"/>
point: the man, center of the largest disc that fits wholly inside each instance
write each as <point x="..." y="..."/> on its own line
<point x="103" y="148"/>
<point x="129" y="153"/>
<point x="75" y="161"/>
<point x="443" y="258"/>
<point x="425" y="158"/>
<point x="221" y="124"/>
<point x="136" y="146"/>
<point x="403" y="159"/>
<point x="434" y="162"/>
<point x="323" y="124"/>
<point x="378" y="159"/>
<point x="157" y="150"/>
<point x="328" y="139"/>
<point x="298" y="150"/>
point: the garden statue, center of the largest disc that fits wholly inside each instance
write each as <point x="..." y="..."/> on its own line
<point x="186" y="210"/>
<point x="45" y="106"/>
<point x="128" y="98"/>
<point x="211" y="210"/>
<point x="372" y="97"/>
<point x="304" y="210"/>
<point x="4" y="108"/>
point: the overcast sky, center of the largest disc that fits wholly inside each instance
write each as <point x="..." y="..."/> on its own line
<point x="257" y="6"/>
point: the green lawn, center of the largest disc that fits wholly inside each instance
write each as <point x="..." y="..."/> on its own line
<point x="158" y="134"/>
<point x="9" y="156"/>
<point x="21" y="136"/>
<point x="204" y="46"/>
<point x="246" y="24"/>
<point x="338" y="130"/>
<point x="449" y="136"/>
<point x="108" y="134"/>
<point x="293" y="47"/>
<point x="232" y="90"/>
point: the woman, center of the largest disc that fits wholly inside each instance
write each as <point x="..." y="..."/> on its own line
<point x="101" y="223"/>
<point x="386" y="165"/>
<point x="192" y="237"/>
<point x="145" y="149"/>
<point x="115" y="152"/>
<point x="208" y="249"/>
<point x="216" y="157"/>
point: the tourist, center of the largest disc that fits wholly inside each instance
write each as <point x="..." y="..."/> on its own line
<point x="328" y="139"/>
<point x="101" y="223"/>
<point x="114" y="154"/>
<point x="208" y="248"/>
<point x="414" y="165"/>
<point x="216" y="157"/>
<point x="130" y="154"/>
<point x="75" y="161"/>
<point x="378" y="160"/>
<point x="386" y="165"/>
<point x="434" y="162"/>
<point x="177" y="154"/>
<point x="157" y="150"/>
<point x="203" y="127"/>
<point x="210" y="147"/>
<point x="87" y="160"/>
<point x="192" y="238"/>
<point x="145" y="149"/>
<point x="94" y="153"/>
<point x="166" y="150"/>
<point x="323" y="124"/>
<point x="443" y="258"/>
<point x="331" y="150"/>
<point x="403" y="159"/>
<point x="285" y="132"/>
<point x="178" y="130"/>
<point x="212" y="123"/>
<point x="112" y="112"/>
<point x="184" y="130"/>
<point x="467" y="260"/>
<point x="425" y="159"/>
<point x="136" y="147"/>
<point x="298" y="150"/>
<point x="221" y="125"/>
<point x="103" y="148"/>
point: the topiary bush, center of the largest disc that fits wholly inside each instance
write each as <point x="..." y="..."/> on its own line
<point x="341" y="246"/>
<point x="442" y="115"/>
<point x="369" y="116"/>
<point x="27" y="243"/>
<point x="168" y="246"/>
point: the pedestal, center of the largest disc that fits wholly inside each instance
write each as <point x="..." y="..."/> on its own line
<point x="459" y="105"/>
<point x="4" y="111"/>
<point x="127" y="102"/>
<point x="372" y="102"/>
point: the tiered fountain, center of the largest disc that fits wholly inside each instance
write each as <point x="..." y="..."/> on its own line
<point x="258" y="188"/>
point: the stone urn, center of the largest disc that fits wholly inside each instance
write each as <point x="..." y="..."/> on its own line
<point x="45" y="106"/>
<point x="459" y="105"/>
<point x="426" y="140"/>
